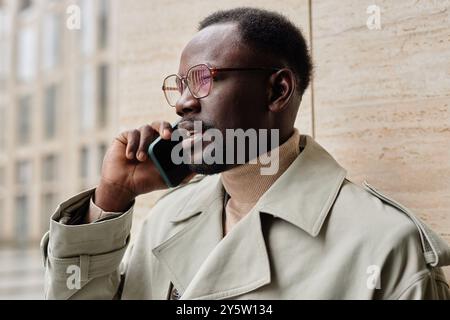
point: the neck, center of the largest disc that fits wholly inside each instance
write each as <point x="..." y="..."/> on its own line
<point x="245" y="184"/>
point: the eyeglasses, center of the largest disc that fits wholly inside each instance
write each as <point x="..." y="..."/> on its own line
<point x="198" y="80"/>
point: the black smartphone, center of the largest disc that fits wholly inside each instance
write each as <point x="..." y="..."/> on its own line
<point x="160" y="152"/>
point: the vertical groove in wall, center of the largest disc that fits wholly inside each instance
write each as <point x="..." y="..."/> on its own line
<point x="313" y="125"/>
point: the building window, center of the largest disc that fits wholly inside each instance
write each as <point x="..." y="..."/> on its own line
<point x="26" y="54"/>
<point x="50" y="112"/>
<point x="23" y="173"/>
<point x="4" y="63"/>
<point x="24" y="120"/>
<point x="87" y="31"/>
<point x="49" y="204"/>
<point x="103" y="23"/>
<point x="87" y="111"/>
<point x="50" y="168"/>
<point x="21" y="215"/>
<point x="101" y="154"/>
<point x="51" y="41"/>
<point x="4" y="19"/>
<point x="84" y="162"/>
<point x="102" y="95"/>
<point x="4" y="45"/>
<point x="25" y="5"/>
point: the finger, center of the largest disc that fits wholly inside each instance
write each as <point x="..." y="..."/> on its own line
<point x="122" y="137"/>
<point x="163" y="128"/>
<point x="166" y="130"/>
<point x="132" y="143"/>
<point x="147" y="136"/>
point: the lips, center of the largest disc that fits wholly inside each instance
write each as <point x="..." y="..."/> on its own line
<point x="191" y="127"/>
<point x="193" y="132"/>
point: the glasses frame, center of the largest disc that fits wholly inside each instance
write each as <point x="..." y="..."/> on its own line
<point x="214" y="72"/>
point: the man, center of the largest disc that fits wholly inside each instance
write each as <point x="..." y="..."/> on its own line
<point x="303" y="232"/>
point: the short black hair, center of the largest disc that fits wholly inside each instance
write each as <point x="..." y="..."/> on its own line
<point x="269" y="32"/>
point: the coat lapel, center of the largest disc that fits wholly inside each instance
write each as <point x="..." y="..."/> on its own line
<point x="184" y="252"/>
<point x="204" y="265"/>
<point x="237" y="265"/>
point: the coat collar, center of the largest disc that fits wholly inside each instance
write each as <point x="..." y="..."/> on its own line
<point x="202" y="264"/>
<point x="313" y="181"/>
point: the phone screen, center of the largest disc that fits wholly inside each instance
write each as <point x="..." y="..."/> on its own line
<point x="160" y="153"/>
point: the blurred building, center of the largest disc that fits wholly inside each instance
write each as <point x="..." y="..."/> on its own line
<point x="57" y="107"/>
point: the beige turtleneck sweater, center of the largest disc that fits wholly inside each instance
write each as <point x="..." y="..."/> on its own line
<point x="245" y="184"/>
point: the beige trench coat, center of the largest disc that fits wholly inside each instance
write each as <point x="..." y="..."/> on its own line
<point x="313" y="235"/>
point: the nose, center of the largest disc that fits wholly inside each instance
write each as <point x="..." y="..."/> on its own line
<point x="187" y="104"/>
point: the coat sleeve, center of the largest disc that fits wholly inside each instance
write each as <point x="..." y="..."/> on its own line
<point x="84" y="261"/>
<point x="431" y="285"/>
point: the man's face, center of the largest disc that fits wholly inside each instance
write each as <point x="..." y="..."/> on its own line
<point x="237" y="99"/>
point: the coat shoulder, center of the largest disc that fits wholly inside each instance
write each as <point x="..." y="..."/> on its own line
<point x="383" y="220"/>
<point x="392" y="236"/>
<point x="371" y="212"/>
<point x="373" y="223"/>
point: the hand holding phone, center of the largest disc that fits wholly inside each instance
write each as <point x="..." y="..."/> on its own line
<point x="127" y="169"/>
<point x="160" y="152"/>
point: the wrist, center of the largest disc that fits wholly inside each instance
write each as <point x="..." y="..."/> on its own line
<point x="112" y="197"/>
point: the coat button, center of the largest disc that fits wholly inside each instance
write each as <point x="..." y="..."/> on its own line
<point x="175" y="295"/>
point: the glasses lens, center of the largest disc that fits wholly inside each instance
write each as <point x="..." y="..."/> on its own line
<point x="199" y="80"/>
<point x="173" y="88"/>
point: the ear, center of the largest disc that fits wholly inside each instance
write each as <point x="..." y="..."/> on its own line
<point x="282" y="86"/>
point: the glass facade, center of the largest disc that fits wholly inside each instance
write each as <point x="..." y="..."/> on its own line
<point x="26" y="54"/>
<point x="52" y="39"/>
<point x="84" y="162"/>
<point x="49" y="204"/>
<point x="23" y="117"/>
<point x="50" y="168"/>
<point x="87" y="102"/>
<point x="55" y="116"/>
<point x="87" y="31"/>
<point x="102" y="78"/>
<point x="50" y="111"/>
<point x="55" y="107"/>
<point x="24" y="173"/>
<point x="22" y="219"/>
<point x="103" y="20"/>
